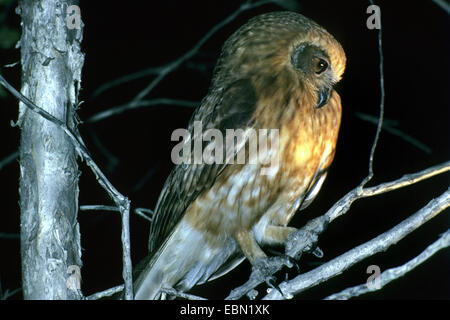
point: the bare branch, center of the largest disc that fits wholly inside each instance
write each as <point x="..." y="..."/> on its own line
<point x="443" y="4"/>
<point x="381" y="115"/>
<point x="141" y="212"/>
<point x="112" y="291"/>
<point x="145" y="177"/>
<point x="8" y="294"/>
<point x="4" y="235"/>
<point x="106" y="293"/>
<point x="112" y="160"/>
<point x="389" y="126"/>
<point x="307" y="235"/>
<point x="13" y="156"/>
<point x="121" y="201"/>
<point x="164" y="70"/>
<point x="394" y="273"/>
<point x="127" y="78"/>
<point x="406" y="180"/>
<point x="183" y="295"/>
<point x="137" y="104"/>
<point x="98" y="207"/>
<point x="343" y="205"/>
<point x="348" y="259"/>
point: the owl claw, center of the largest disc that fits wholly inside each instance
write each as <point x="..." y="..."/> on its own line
<point x="305" y="239"/>
<point x="317" y="252"/>
<point x="264" y="268"/>
<point x="262" y="271"/>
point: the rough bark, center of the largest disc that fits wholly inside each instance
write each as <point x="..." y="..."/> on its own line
<point x="51" y="74"/>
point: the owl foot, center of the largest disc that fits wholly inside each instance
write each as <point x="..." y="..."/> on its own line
<point x="264" y="269"/>
<point x="305" y="239"/>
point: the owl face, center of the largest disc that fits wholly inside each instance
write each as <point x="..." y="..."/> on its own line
<point x="314" y="66"/>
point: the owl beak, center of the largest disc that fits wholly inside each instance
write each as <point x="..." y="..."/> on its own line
<point x="323" y="96"/>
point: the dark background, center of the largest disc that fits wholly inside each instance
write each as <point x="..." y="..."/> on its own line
<point x="134" y="148"/>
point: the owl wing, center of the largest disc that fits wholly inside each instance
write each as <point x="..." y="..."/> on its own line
<point x="232" y="108"/>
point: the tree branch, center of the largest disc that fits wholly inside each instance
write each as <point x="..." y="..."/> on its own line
<point x="142" y="212"/>
<point x="137" y="104"/>
<point x="99" y="207"/>
<point x="348" y="259"/>
<point x="443" y="5"/>
<point x="106" y="293"/>
<point x="164" y="70"/>
<point x="183" y="295"/>
<point x="4" y="235"/>
<point x="381" y="114"/>
<point x="307" y="235"/>
<point x="10" y="158"/>
<point x="343" y="205"/>
<point x="390" y="126"/>
<point x="8" y="294"/>
<point x="394" y="273"/>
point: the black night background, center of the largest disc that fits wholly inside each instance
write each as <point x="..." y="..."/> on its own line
<point x="133" y="148"/>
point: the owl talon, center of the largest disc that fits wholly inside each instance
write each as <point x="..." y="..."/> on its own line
<point x="264" y="268"/>
<point x="271" y="281"/>
<point x="318" y="253"/>
<point x="305" y="239"/>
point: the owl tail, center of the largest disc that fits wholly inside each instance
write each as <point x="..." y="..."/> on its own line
<point x="186" y="258"/>
<point x="152" y="278"/>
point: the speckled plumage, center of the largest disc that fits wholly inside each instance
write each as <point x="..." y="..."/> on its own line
<point x="209" y="216"/>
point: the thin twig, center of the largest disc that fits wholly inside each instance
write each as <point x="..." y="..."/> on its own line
<point x="106" y="293"/>
<point x="443" y="4"/>
<point x="146" y="177"/>
<point x="183" y="295"/>
<point x="407" y="180"/>
<point x="394" y="273"/>
<point x="381" y="115"/>
<point x="140" y="212"/>
<point x="121" y="201"/>
<point x="137" y="104"/>
<point x="351" y="257"/>
<point x="164" y="70"/>
<point x="4" y="235"/>
<point x="127" y="78"/>
<point x="98" y="207"/>
<point x="343" y="205"/>
<point x="10" y="158"/>
<point x="112" y="160"/>
<point x="389" y="127"/>
<point x="8" y="294"/>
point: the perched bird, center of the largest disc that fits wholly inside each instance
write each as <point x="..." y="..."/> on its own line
<point x="276" y="72"/>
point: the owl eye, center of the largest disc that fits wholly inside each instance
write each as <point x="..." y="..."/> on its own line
<point x="320" y="65"/>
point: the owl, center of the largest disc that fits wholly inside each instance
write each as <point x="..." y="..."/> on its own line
<point x="275" y="74"/>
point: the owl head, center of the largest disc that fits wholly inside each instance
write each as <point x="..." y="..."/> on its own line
<point x="283" y="51"/>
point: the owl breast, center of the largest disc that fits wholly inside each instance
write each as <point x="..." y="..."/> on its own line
<point x="308" y="149"/>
